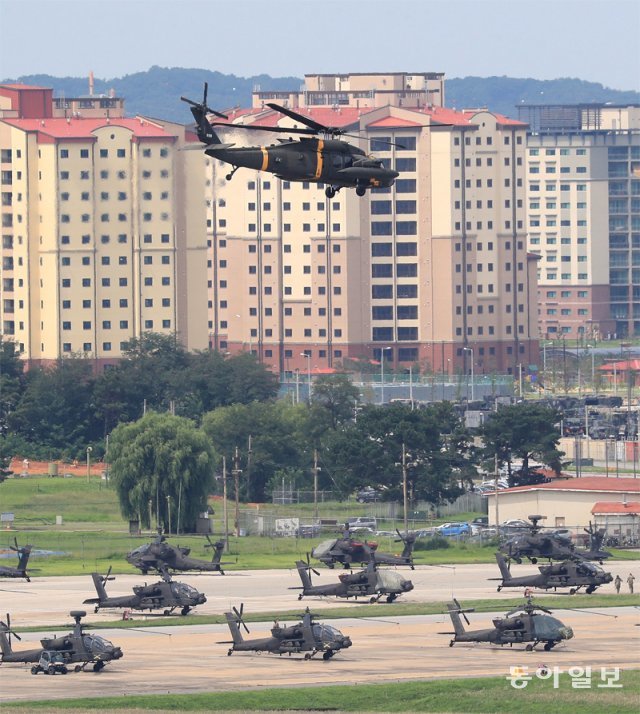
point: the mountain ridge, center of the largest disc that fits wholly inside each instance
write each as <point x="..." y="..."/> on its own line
<point x="156" y="92"/>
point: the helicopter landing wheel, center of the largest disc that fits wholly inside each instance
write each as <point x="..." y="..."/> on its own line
<point x="499" y="588"/>
<point x="572" y="591"/>
<point x="451" y="643"/>
<point x="185" y="610"/>
<point x="98" y="666"/>
<point x="329" y="192"/>
<point x="229" y="177"/>
<point x="307" y="656"/>
<point x="77" y="668"/>
<point x="327" y="655"/>
<point x="548" y="646"/>
<point x="529" y="648"/>
<point x="360" y="191"/>
<point x="229" y="653"/>
<point x="534" y="560"/>
<point x="372" y="600"/>
<point x="95" y="609"/>
<point x="300" y="596"/>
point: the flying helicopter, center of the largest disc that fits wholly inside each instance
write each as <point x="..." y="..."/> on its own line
<point x="537" y="543"/>
<point x="575" y="573"/>
<point x="523" y="623"/>
<point x="77" y="647"/>
<point x="370" y="582"/>
<point x="163" y="557"/>
<point x="317" y="157"/>
<point x="307" y="636"/>
<point x="20" y="571"/>
<point x="349" y="550"/>
<point x="165" y="595"/>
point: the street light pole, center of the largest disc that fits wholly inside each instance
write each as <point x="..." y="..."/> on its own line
<point x="89" y="450"/>
<point x="404" y="488"/>
<point x="470" y="349"/>
<point x="382" y="351"/>
<point x="308" y="356"/>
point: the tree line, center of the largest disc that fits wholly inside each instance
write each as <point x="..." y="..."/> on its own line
<point x="173" y="418"/>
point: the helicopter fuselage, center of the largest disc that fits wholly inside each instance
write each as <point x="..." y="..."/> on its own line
<point x="330" y="161"/>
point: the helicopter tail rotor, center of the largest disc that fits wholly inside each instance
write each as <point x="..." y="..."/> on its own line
<point x="463" y="611"/>
<point x="238" y="613"/>
<point x="6" y="628"/>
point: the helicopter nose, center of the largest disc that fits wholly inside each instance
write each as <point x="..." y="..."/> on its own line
<point x="116" y="653"/>
<point x="346" y="642"/>
<point x="407" y="585"/>
<point x="202" y="599"/>
<point x="566" y="633"/>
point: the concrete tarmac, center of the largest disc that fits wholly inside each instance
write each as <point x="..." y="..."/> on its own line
<point x="189" y="658"/>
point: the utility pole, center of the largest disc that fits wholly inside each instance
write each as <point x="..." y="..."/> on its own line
<point x="404" y="488"/>
<point x="225" y="509"/>
<point x="236" y="482"/>
<point x="169" y="512"/>
<point x="315" y="485"/>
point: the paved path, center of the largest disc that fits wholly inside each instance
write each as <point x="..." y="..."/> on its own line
<point x="188" y="659"/>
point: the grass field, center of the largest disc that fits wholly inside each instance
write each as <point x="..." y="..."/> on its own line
<point x="93" y="535"/>
<point x="482" y="696"/>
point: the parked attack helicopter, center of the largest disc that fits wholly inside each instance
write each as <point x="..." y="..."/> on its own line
<point x="536" y="543"/>
<point x="163" y="557"/>
<point x="521" y="624"/>
<point x="307" y="636"/>
<point x="317" y="157"/>
<point x="165" y="595"/>
<point x="78" y="647"/>
<point x="575" y="574"/>
<point x="370" y="582"/>
<point x="20" y="571"/>
<point x="348" y="550"/>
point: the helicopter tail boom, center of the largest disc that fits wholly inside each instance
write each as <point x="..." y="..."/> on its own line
<point x="236" y="635"/>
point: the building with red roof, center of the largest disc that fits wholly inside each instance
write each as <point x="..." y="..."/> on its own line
<point x="567" y="503"/>
<point x="434" y="270"/>
<point x="103" y="227"/>
<point x="621" y="520"/>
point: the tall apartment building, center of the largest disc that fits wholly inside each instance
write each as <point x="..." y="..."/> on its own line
<point x="363" y="90"/>
<point x="433" y="270"/>
<point x="103" y="227"/>
<point x="583" y="213"/>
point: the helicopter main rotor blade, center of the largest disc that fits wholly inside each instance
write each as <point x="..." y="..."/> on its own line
<point x="274" y="129"/>
<point x="319" y="128"/>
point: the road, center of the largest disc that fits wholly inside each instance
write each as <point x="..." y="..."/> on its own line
<point x="188" y="659"/>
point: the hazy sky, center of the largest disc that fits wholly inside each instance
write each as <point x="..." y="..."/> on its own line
<point x="596" y="40"/>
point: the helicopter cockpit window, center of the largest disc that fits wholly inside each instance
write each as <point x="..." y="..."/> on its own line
<point x="95" y="643"/>
<point x="141" y="550"/>
<point x="547" y="627"/>
<point x="182" y="589"/>
<point x="326" y="633"/>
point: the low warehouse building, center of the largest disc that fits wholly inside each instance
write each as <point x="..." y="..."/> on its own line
<point x="566" y="503"/>
<point x="620" y="520"/>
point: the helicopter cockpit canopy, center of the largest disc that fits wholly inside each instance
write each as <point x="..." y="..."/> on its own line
<point x="183" y="590"/>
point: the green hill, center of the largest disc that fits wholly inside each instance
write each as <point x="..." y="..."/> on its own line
<point x="157" y="91"/>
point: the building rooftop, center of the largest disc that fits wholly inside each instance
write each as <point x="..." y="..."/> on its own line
<point x="586" y="483"/>
<point x="611" y="507"/>
<point x="77" y="128"/>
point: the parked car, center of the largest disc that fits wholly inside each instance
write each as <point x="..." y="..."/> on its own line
<point x="481" y="521"/>
<point x="454" y="529"/>
<point x="362" y="522"/>
<point x="368" y="495"/>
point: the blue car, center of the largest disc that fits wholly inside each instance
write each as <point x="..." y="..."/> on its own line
<point x="454" y="529"/>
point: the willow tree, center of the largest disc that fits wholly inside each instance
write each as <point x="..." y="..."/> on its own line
<point x="162" y="467"/>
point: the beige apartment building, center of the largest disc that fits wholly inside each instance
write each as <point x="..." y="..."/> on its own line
<point x="432" y="271"/>
<point x="103" y="227"/>
<point x="583" y="176"/>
